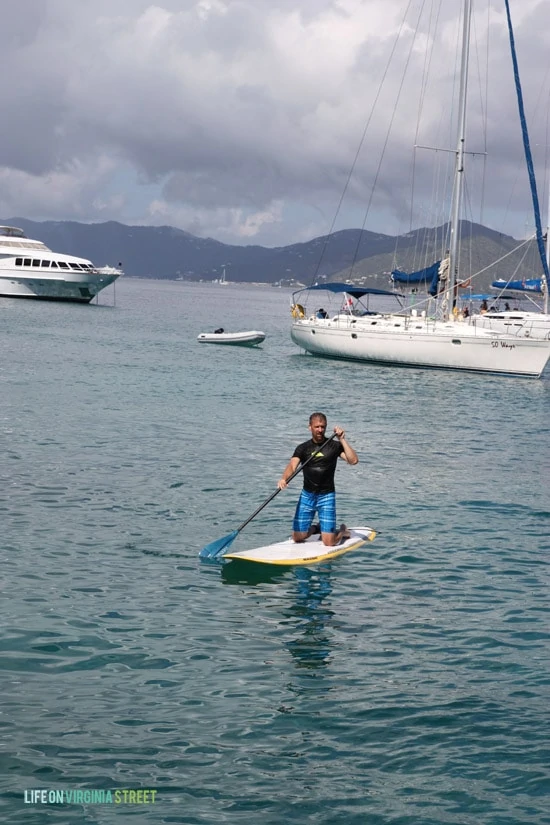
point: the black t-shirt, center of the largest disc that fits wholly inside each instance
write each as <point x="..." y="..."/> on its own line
<point x="319" y="473"/>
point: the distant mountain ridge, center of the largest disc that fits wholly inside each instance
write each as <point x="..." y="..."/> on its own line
<point x="169" y="253"/>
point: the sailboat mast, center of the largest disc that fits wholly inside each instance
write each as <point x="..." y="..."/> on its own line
<point x="459" y="171"/>
<point x="545" y="284"/>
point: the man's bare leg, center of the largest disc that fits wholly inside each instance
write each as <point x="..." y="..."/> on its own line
<point x="333" y="539"/>
<point x="300" y="537"/>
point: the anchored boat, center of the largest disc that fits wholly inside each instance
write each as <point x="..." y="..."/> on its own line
<point x="436" y="337"/>
<point x="248" y="338"/>
<point x="29" y="269"/>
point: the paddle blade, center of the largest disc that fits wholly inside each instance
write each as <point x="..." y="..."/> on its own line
<point x="216" y="548"/>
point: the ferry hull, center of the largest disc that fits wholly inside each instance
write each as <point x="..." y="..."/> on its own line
<point x="81" y="288"/>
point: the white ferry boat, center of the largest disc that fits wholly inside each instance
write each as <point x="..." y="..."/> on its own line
<point x="29" y="269"/>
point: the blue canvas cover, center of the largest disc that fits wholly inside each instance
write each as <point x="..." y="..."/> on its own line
<point x="350" y="289"/>
<point x="429" y="274"/>
<point x="525" y="285"/>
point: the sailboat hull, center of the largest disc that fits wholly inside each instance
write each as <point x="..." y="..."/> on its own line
<point x="415" y="342"/>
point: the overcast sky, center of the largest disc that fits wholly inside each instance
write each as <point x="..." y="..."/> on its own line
<point x="241" y="119"/>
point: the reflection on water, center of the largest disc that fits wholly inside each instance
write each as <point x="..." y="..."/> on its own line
<point x="311" y="648"/>
<point x="306" y="608"/>
<point x="243" y="572"/>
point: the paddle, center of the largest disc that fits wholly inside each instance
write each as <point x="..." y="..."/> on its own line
<point x="216" y="548"/>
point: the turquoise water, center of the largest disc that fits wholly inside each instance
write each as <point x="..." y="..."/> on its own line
<point x="407" y="683"/>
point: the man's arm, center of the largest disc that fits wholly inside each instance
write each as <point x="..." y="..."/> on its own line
<point x="348" y="453"/>
<point x="290" y="468"/>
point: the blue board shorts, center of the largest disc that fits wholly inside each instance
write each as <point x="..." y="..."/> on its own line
<point x="310" y="503"/>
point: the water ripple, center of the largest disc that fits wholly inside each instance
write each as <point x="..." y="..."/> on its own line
<point x="404" y="684"/>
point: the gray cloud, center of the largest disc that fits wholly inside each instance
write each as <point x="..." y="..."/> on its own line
<point x="240" y="119"/>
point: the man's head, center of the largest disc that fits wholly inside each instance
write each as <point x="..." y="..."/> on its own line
<point x="318" y="425"/>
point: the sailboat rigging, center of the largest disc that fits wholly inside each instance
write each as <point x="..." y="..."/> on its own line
<point x="423" y="340"/>
<point x="533" y="324"/>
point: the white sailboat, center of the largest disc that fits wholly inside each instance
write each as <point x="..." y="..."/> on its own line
<point x="412" y="339"/>
<point x="533" y="322"/>
<point x="223" y="280"/>
<point x="522" y="322"/>
<point x="518" y="321"/>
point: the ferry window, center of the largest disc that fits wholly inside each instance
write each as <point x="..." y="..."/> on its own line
<point x="36" y="262"/>
<point x="45" y="263"/>
<point x="27" y="262"/>
<point x="63" y="265"/>
<point x="19" y="262"/>
<point x="75" y="266"/>
<point x="53" y="265"/>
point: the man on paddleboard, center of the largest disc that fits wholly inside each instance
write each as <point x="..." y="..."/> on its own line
<point x="318" y="494"/>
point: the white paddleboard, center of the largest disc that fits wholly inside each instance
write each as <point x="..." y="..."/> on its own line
<point x="310" y="551"/>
